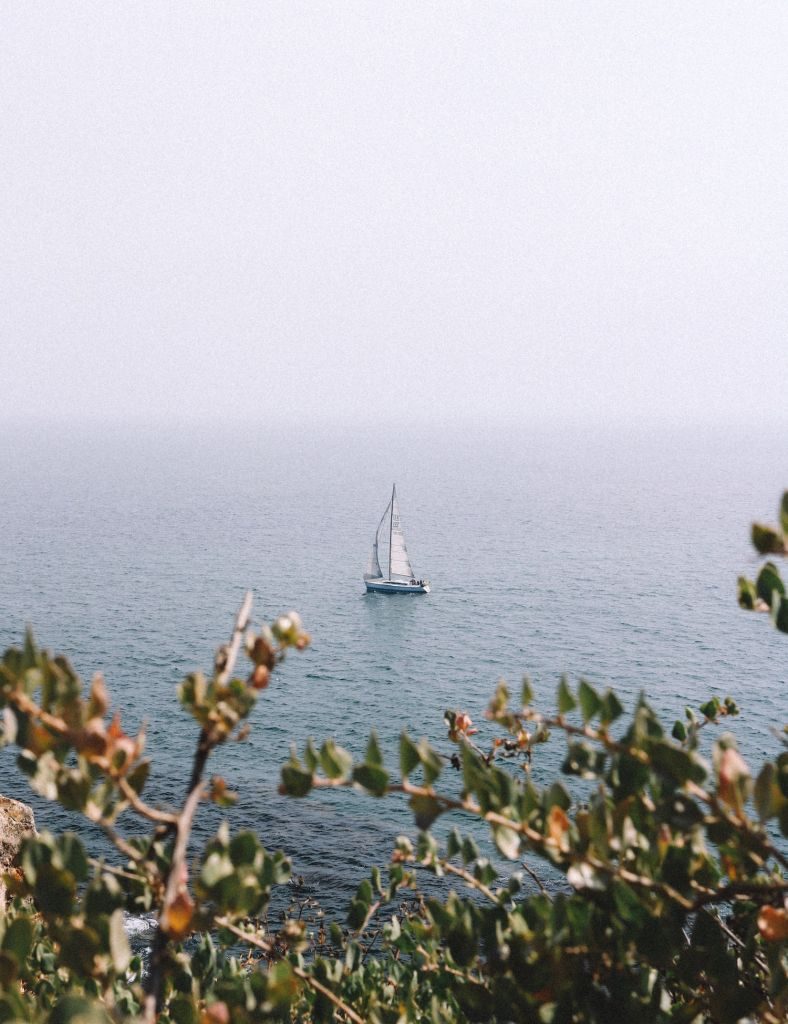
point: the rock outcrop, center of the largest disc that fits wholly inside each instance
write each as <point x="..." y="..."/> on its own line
<point x="16" y="822"/>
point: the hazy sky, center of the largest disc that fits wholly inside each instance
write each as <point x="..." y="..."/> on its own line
<point x="372" y="210"/>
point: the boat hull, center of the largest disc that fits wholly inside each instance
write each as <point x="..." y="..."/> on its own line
<point x="392" y="587"/>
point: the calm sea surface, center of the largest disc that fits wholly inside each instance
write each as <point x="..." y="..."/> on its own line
<point x="608" y="554"/>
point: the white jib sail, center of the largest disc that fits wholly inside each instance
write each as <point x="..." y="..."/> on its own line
<point x="373" y="566"/>
<point x="399" y="563"/>
<point x="374" y="572"/>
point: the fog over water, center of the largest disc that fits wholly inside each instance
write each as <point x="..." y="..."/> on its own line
<point x="308" y="210"/>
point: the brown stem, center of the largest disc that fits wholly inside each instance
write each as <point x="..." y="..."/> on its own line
<point x="182" y="826"/>
<point x="536" y="839"/>
<point x="60" y="727"/>
<point x="143" y="809"/>
<point x="241" y="622"/>
<point x="100" y="865"/>
<point x="120" y="843"/>
<point x="738" y="822"/>
<point x="600" y="736"/>
<point x="465" y="875"/>
<point x="729" y="893"/>
<point x="529" y="870"/>
<point x="313" y="983"/>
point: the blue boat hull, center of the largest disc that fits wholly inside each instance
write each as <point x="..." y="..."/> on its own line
<point x="392" y="587"/>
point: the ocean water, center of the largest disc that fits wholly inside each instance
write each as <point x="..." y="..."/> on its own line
<point x="607" y="553"/>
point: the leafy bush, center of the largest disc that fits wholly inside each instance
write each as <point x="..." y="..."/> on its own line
<point x="649" y="887"/>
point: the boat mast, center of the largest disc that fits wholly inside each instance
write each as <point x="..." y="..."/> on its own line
<point x="391" y="523"/>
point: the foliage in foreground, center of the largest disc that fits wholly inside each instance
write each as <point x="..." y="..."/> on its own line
<point x="766" y="593"/>
<point x="650" y="885"/>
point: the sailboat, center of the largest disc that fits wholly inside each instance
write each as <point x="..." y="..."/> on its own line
<point x="399" y="578"/>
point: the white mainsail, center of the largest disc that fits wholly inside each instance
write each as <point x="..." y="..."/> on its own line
<point x="399" y="563"/>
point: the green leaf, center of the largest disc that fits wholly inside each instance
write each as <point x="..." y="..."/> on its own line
<point x="311" y="759"/>
<point x="282" y="984"/>
<point x="765" y="793"/>
<point x="119" y="947"/>
<point x="711" y="708"/>
<point x="679" y="731"/>
<point x="243" y="848"/>
<point x="583" y="876"/>
<point x="767" y="541"/>
<point x="566" y="702"/>
<point x="54" y="890"/>
<point x="527" y="693"/>
<point x="18" y="938"/>
<point x="296" y="781"/>
<point x="9" y="972"/>
<point x="77" y="1010"/>
<point x="357" y="914"/>
<point x="474" y="771"/>
<point x="335" y="762"/>
<point x="139" y="776"/>
<point x="183" y="1011"/>
<point x="611" y="708"/>
<point x="430" y="762"/>
<point x="30" y="653"/>
<point x="364" y="892"/>
<point x="374" y="756"/>
<point x="408" y="755"/>
<point x="784" y="512"/>
<point x="557" y="796"/>
<point x="507" y="841"/>
<point x="769" y="583"/>
<point x="470" y="851"/>
<point x="425" y="810"/>
<point x="590" y="704"/>
<point x="500" y="700"/>
<point x="584" y="760"/>
<point x="676" y="763"/>
<point x="461" y="941"/>
<point x="217" y="867"/>
<point x="73" y="854"/>
<point x="371" y="777"/>
<point x="780" y="613"/>
<point x="782" y="772"/>
<point x="747" y="594"/>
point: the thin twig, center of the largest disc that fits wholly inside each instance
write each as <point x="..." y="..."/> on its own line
<point x="241" y="622"/>
<point x="530" y="871"/>
<point x="463" y="873"/>
<point x="101" y="865"/>
<point x="370" y="944"/>
<point x="120" y="844"/>
<point x="61" y="728"/>
<point x="182" y="827"/>
<point x="738" y="823"/>
<point x="740" y="890"/>
<point x="738" y="941"/>
<point x="313" y="983"/>
<point x="178" y="862"/>
<point x="143" y="809"/>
